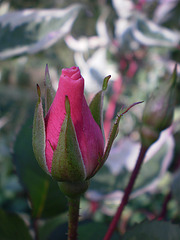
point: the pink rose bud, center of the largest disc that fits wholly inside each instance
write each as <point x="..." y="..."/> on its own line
<point x="89" y="135"/>
<point x="68" y="143"/>
<point x="73" y="141"/>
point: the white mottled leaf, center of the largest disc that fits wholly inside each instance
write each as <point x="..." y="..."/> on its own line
<point x="150" y="34"/>
<point x="30" y="31"/>
<point x="119" y="166"/>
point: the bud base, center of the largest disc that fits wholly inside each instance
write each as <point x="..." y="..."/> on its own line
<point x="73" y="189"/>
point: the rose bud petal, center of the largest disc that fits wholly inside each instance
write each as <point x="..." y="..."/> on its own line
<point x="88" y="133"/>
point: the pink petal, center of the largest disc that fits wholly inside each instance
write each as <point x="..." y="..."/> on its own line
<point x="88" y="133"/>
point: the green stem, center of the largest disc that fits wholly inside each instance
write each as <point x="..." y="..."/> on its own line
<point x="73" y="217"/>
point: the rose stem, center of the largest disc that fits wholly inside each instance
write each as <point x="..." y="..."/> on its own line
<point x="126" y="193"/>
<point x="73" y="217"/>
<point x="163" y="212"/>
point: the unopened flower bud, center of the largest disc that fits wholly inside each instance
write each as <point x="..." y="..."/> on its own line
<point x="68" y="142"/>
<point x="158" y="111"/>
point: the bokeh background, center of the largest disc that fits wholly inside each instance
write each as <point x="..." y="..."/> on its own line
<point x="137" y="42"/>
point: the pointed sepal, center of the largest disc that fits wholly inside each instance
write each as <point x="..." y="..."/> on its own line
<point x="38" y="138"/>
<point x="113" y="135"/>
<point x="96" y="105"/>
<point x="49" y="91"/>
<point x="174" y="76"/>
<point x="67" y="163"/>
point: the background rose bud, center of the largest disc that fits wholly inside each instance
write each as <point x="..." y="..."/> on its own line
<point x="73" y="142"/>
<point x="158" y="111"/>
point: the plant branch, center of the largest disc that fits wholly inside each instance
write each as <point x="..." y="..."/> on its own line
<point x="126" y="193"/>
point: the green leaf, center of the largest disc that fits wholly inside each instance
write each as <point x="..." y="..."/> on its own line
<point x="45" y="197"/>
<point x="50" y="92"/>
<point x="31" y="30"/>
<point x="96" y="105"/>
<point x="56" y="202"/>
<point x="93" y="230"/>
<point x="156" y="230"/>
<point x="60" y="232"/>
<point x="67" y="163"/>
<point x="51" y="224"/>
<point x="37" y="193"/>
<point x="38" y="139"/>
<point x="12" y="227"/>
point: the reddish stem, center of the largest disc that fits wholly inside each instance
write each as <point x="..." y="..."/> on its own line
<point x="163" y="212"/>
<point x="126" y="193"/>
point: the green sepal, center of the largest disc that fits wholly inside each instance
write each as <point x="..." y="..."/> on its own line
<point x="96" y="105"/>
<point x="38" y="138"/>
<point x="113" y="135"/>
<point x="174" y="77"/>
<point x="49" y="91"/>
<point x="67" y="162"/>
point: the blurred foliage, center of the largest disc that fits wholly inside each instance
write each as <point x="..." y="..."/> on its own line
<point x="137" y="42"/>
<point x="149" y="231"/>
<point x="12" y="226"/>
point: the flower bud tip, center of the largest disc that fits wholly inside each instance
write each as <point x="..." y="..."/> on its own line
<point x="38" y="91"/>
<point x="105" y="82"/>
<point x="174" y="76"/>
<point x="46" y="69"/>
<point x="67" y="105"/>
